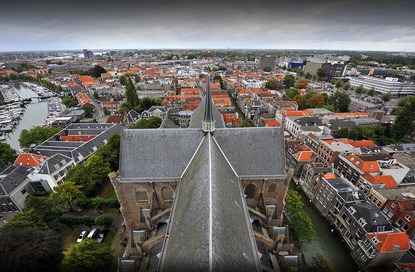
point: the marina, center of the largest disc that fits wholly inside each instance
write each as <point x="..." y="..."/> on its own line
<point x="26" y="111"/>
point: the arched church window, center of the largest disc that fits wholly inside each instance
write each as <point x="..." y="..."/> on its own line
<point x="250" y="191"/>
<point x="167" y="194"/>
<point x="140" y="194"/>
<point x="272" y="188"/>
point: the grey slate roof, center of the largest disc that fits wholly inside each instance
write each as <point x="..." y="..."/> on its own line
<point x="210" y="228"/>
<point x="49" y="165"/>
<point x="208" y="114"/>
<point x="253" y="151"/>
<point x="197" y="116"/>
<point x="372" y="215"/>
<point x="14" y="178"/>
<point x="167" y="123"/>
<point x="157" y="153"/>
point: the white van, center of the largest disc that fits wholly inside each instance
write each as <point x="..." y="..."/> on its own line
<point x="93" y="233"/>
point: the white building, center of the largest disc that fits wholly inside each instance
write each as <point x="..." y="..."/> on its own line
<point x="383" y="86"/>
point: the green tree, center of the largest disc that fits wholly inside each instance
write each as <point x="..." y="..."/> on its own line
<point x="289" y="81"/>
<point x="371" y="91"/>
<point x="342" y="133"/>
<point x="347" y="86"/>
<point x="96" y="96"/>
<point x="267" y="69"/>
<point x="404" y="121"/>
<point x="87" y="256"/>
<point x="97" y="71"/>
<point x="41" y="211"/>
<point x="359" y="89"/>
<point x="301" y="101"/>
<point x="153" y="122"/>
<point x="339" y="83"/>
<point x="387" y="96"/>
<point x="7" y="155"/>
<point x="301" y="83"/>
<point x="273" y="84"/>
<point x="88" y="113"/>
<point x="292" y="92"/>
<point x="340" y="100"/>
<point x="30" y="249"/>
<point x="123" y="80"/>
<point x="320" y="74"/>
<point x="103" y="220"/>
<point x="131" y="93"/>
<point x="97" y="168"/>
<point x="320" y="264"/>
<point x="147" y="103"/>
<point x="68" y="195"/>
<point x="111" y="151"/>
<point x="300" y="221"/>
<point x="36" y="135"/>
<point x="106" y="111"/>
<point x="69" y="102"/>
<point x="245" y="124"/>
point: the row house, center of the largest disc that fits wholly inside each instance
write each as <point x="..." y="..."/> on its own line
<point x="313" y="141"/>
<point x="294" y="124"/>
<point x="329" y="151"/>
<point x="402" y="214"/>
<point x="297" y="155"/>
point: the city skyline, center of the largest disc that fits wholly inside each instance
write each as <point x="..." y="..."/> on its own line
<point x="339" y="25"/>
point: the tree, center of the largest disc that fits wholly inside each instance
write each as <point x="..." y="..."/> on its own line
<point x="359" y="89"/>
<point x="41" y="211"/>
<point x="147" y="103"/>
<point x="339" y="83"/>
<point x="342" y="133"/>
<point x="267" y="69"/>
<point x="347" y="86"/>
<point x="273" y="84"/>
<point x="131" y="93"/>
<point x="153" y="122"/>
<point x="245" y="124"/>
<point x="97" y="168"/>
<point x="69" y="102"/>
<point x="289" y="81"/>
<point x="30" y="249"/>
<point x="87" y="256"/>
<point x="387" y="96"/>
<point x="320" y="73"/>
<point x="96" y="96"/>
<point x="300" y="221"/>
<point x="7" y="155"/>
<point x="123" y="80"/>
<point x="292" y="92"/>
<point x="301" y="101"/>
<point x="88" y="113"/>
<point x="404" y="121"/>
<point x="111" y="151"/>
<point x="97" y="71"/>
<point x="36" y="135"/>
<point x="103" y="220"/>
<point x="301" y="83"/>
<point x="340" y="100"/>
<point x="320" y="264"/>
<point x="106" y="111"/>
<point x="371" y="91"/>
<point x="316" y="100"/>
<point x="67" y="195"/>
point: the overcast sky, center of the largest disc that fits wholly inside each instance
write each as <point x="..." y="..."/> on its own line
<point x="263" y="24"/>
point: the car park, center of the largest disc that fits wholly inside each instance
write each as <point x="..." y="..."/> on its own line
<point x="93" y="233"/>
<point x="82" y="236"/>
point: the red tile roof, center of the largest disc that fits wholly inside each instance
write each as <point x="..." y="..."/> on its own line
<point x="29" y="159"/>
<point x="387" y="180"/>
<point x="388" y="240"/>
<point x="272" y="123"/>
<point x="365" y="166"/>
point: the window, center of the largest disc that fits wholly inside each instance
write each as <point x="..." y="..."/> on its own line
<point x="408" y="218"/>
<point x="362" y="222"/>
<point x="250" y="191"/>
<point x="386" y="210"/>
<point x="405" y="227"/>
<point x="167" y="194"/>
<point x="400" y="221"/>
<point x="358" y="233"/>
<point x="140" y="194"/>
<point x="380" y="228"/>
<point x="23" y="191"/>
<point x="271" y="190"/>
<point x="393" y="205"/>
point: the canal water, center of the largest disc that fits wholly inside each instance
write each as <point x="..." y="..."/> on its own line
<point x="328" y="244"/>
<point x="34" y="115"/>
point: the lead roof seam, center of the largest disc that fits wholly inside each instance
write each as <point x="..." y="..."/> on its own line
<point x="210" y="206"/>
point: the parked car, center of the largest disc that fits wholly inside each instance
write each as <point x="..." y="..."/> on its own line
<point x="82" y="236"/>
<point x="102" y="235"/>
<point x="93" y="233"/>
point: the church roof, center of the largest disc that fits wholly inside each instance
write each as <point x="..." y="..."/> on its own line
<point x="157" y="153"/>
<point x="209" y="201"/>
